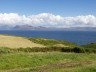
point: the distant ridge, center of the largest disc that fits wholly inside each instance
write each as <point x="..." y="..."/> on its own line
<point x="29" y="27"/>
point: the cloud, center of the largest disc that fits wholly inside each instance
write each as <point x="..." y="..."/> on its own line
<point x="47" y="19"/>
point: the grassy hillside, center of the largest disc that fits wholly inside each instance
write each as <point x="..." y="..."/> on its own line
<point x="20" y="54"/>
<point x="41" y="45"/>
<point x="16" y="42"/>
<point x="52" y="42"/>
<point x="90" y="47"/>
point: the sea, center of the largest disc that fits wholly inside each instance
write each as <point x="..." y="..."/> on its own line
<point x="78" y="37"/>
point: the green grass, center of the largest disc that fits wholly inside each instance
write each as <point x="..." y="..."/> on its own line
<point x="4" y="50"/>
<point x="31" y="61"/>
<point x="51" y="42"/>
<point x="71" y="47"/>
<point x="88" y="68"/>
<point x="90" y="47"/>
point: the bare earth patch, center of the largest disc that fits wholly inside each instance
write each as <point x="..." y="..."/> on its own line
<point x="47" y="68"/>
<point x="17" y="42"/>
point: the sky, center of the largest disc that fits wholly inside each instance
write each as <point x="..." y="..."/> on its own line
<point x="49" y="13"/>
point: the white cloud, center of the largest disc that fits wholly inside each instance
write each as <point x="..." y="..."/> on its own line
<point x="47" y="19"/>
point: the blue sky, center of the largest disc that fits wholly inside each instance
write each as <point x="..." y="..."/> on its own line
<point x="50" y="13"/>
<point x="61" y="7"/>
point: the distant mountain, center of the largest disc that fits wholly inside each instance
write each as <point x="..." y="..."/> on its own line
<point x="5" y="27"/>
<point x="23" y="27"/>
<point x="80" y="29"/>
<point x="29" y="27"/>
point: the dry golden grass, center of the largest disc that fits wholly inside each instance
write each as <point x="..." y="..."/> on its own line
<point x="16" y="42"/>
<point x="61" y="45"/>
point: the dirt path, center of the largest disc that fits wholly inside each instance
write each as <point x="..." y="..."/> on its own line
<point x="49" y="67"/>
<point x="63" y="65"/>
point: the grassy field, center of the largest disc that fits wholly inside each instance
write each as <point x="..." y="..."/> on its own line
<point x="19" y="54"/>
<point x="16" y="42"/>
<point x="47" y="62"/>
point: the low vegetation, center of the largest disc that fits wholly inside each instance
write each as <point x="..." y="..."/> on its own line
<point x="52" y="56"/>
<point x="52" y="42"/>
<point x="90" y="47"/>
<point x="47" y="62"/>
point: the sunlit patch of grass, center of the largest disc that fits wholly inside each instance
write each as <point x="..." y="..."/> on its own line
<point x="17" y="42"/>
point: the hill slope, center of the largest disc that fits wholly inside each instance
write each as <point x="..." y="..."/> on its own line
<point x="17" y="42"/>
<point x="91" y="45"/>
<point x="52" y="42"/>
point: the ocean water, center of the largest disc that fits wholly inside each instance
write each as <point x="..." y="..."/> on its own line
<point x="79" y="37"/>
